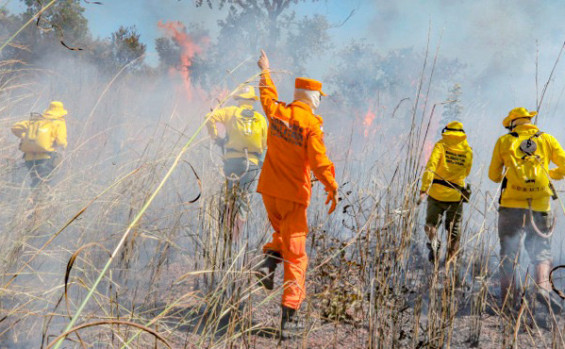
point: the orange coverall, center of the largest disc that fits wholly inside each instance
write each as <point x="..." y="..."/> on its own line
<point x="295" y="147"/>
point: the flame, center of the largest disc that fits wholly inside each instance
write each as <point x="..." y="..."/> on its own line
<point x="368" y="121"/>
<point x="189" y="48"/>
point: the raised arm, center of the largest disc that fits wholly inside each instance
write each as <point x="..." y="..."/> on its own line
<point x="267" y="89"/>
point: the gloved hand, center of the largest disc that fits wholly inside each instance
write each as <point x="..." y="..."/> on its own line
<point x="220" y="142"/>
<point x="333" y="196"/>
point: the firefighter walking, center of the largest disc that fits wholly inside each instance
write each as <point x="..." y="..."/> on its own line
<point x="243" y="148"/>
<point x="444" y="182"/>
<point x="295" y="148"/>
<point x="520" y="161"/>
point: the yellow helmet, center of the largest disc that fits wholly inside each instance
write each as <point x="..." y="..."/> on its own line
<point x="517" y="113"/>
<point x="452" y="128"/>
<point x="246" y="92"/>
<point x="55" y="109"/>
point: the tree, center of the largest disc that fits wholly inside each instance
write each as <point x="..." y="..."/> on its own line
<point x="362" y="73"/>
<point x="126" y="48"/>
<point x="453" y="109"/>
<point x="9" y="24"/>
<point x="270" y="10"/>
<point x="62" y="21"/>
<point x="251" y="25"/>
<point x="61" y="24"/>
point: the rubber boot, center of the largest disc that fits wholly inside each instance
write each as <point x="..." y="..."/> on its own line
<point x="545" y="294"/>
<point x="269" y="263"/>
<point x="288" y="316"/>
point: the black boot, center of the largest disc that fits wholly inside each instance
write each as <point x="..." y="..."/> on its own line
<point x="267" y="277"/>
<point x="288" y="316"/>
<point x="550" y="300"/>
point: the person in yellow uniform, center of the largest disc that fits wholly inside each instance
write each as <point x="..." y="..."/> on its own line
<point x="244" y="147"/>
<point x="40" y="138"/>
<point x="520" y="161"/>
<point x="444" y="183"/>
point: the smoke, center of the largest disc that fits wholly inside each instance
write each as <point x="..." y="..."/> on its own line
<point x="120" y="123"/>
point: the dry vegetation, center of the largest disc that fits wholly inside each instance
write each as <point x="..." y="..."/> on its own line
<point x="179" y="280"/>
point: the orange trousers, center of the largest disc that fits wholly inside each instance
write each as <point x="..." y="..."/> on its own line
<point x="289" y="239"/>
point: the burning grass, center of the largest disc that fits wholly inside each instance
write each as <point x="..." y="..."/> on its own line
<point x="91" y="250"/>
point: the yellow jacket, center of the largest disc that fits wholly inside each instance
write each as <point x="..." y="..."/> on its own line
<point x="451" y="161"/>
<point x="548" y="148"/>
<point x="236" y="131"/>
<point x="55" y="126"/>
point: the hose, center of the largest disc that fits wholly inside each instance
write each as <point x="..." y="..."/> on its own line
<point x="533" y="222"/>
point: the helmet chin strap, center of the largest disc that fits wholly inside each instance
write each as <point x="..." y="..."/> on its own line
<point x="445" y="129"/>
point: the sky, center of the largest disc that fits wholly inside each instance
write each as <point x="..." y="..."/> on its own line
<point x="499" y="41"/>
<point x="144" y="15"/>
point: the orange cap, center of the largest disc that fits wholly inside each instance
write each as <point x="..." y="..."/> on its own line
<point x="309" y="84"/>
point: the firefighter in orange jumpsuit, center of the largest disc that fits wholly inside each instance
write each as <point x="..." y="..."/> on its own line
<point x="295" y="147"/>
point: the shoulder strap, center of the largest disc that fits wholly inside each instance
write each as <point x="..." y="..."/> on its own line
<point x="515" y="134"/>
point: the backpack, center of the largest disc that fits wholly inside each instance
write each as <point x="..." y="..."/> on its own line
<point x="38" y="138"/>
<point x="246" y="131"/>
<point x="526" y="177"/>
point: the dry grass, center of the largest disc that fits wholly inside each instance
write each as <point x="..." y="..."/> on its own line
<point x="181" y="279"/>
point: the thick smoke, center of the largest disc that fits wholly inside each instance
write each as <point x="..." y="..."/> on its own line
<point x="120" y="122"/>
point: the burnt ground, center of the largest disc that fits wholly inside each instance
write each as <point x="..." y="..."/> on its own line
<point x="394" y="328"/>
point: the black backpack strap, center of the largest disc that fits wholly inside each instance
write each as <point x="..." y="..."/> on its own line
<point x="502" y="187"/>
<point x="448" y="184"/>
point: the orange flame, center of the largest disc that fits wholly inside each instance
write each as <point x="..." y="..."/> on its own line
<point x="368" y="121"/>
<point x="189" y="48"/>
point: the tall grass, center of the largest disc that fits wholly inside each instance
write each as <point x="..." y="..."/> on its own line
<point x="181" y="279"/>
